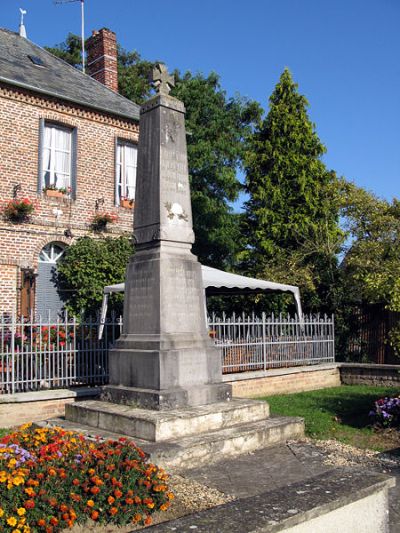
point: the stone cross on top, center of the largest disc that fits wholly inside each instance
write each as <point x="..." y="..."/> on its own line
<point x="162" y="81"/>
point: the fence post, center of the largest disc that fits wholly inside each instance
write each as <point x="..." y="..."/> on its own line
<point x="264" y="340"/>
<point x="333" y="337"/>
<point x="13" y="326"/>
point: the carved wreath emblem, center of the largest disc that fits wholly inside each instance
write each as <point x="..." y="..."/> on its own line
<point x="176" y="210"/>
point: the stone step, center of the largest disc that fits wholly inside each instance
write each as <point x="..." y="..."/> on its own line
<point x="192" y="451"/>
<point x="161" y="426"/>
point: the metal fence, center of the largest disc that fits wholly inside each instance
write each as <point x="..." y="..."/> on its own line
<point x="258" y="343"/>
<point x="37" y="355"/>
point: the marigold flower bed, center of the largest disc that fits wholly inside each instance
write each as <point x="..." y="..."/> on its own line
<point x="51" y="478"/>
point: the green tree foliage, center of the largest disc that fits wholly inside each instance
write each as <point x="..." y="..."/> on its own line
<point x="372" y="262"/>
<point x="291" y="217"/>
<point x="70" y="50"/>
<point x="217" y="126"/>
<point x="87" y="267"/>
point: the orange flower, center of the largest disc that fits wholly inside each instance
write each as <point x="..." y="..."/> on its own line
<point x="75" y="482"/>
<point x="137" y="517"/>
<point x="111" y="500"/>
<point x="90" y="503"/>
<point x="164" y="507"/>
<point x="170" y="496"/>
<point x="63" y="508"/>
<point x="148" y="521"/>
<point x="95" y="490"/>
<point x="41" y="522"/>
<point x="94" y="515"/>
<point x="53" y="521"/>
<point x="117" y="493"/>
<point x="137" y="499"/>
<point x="129" y="501"/>
<point x="65" y="517"/>
<point x="29" y="504"/>
<point x="113" y="511"/>
<point x="52" y="472"/>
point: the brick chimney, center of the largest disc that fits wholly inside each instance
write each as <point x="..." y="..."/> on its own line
<point x="101" y="60"/>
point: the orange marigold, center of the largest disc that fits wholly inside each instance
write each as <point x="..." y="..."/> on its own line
<point x="113" y="511"/>
<point x="94" y="515"/>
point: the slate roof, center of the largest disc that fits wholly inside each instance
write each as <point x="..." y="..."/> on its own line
<point x="56" y="78"/>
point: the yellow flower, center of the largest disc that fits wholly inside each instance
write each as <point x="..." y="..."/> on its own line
<point x="18" y="480"/>
<point x="12" y="521"/>
<point x="1" y="512"/>
<point x="16" y="531"/>
<point x="21" y="511"/>
<point x="12" y="462"/>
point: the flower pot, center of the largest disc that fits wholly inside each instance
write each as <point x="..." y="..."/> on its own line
<point x="54" y="193"/>
<point x="127" y="204"/>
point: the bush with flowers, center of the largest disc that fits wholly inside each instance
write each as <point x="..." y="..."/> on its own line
<point x="51" y="478"/>
<point x="386" y="412"/>
<point x="18" y="210"/>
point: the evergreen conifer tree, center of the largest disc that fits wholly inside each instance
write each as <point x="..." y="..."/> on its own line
<point x="290" y="220"/>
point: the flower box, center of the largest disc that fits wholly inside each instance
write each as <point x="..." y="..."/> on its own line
<point x="126" y="203"/>
<point x="54" y="193"/>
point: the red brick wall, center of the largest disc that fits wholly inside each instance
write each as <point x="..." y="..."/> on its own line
<point x="20" y="244"/>
<point x="101" y="49"/>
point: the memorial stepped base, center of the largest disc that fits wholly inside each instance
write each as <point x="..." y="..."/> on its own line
<point x="184" y="438"/>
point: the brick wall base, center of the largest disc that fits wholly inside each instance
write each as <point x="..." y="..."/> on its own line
<point x="378" y="375"/>
<point x="284" y="381"/>
<point x="21" y="408"/>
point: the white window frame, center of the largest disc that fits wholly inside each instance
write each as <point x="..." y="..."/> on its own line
<point x="54" y="150"/>
<point x="121" y="186"/>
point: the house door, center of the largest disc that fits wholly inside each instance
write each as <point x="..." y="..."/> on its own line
<point x="49" y="304"/>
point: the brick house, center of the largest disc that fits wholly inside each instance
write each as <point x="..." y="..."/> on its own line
<point x="65" y="133"/>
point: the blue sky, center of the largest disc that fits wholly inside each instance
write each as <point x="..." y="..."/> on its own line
<point x="344" y="54"/>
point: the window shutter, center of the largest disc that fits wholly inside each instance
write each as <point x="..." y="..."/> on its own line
<point x="116" y="177"/>
<point x="74" y="162"/>
<point x="40" y="156"/>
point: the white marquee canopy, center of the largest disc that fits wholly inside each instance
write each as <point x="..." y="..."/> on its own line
<point x="219" y="282"/>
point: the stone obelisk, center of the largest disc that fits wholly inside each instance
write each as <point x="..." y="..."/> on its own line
<point x="164" y="358"/>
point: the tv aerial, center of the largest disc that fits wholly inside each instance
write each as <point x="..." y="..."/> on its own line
<point x="82" y="24"/>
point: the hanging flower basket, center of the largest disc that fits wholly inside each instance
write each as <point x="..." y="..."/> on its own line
<point x="127" y="203"/>
<point x="18" y="210"/>
<point x="100" y="220"/>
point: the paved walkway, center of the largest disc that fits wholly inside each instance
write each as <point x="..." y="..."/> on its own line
<point x="272" y="468"/>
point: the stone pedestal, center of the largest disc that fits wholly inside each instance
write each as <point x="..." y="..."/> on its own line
<point x="164" y="358"/>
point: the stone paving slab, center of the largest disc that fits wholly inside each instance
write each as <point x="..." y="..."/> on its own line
<point x="352" y="495"/>
<point x="268" y="469"/>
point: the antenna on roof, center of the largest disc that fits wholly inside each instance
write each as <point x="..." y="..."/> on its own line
<point x="22" y="30"/>
<point x="82" y="25"/>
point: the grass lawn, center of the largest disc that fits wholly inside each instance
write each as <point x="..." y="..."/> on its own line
<point x="340" y="413"/>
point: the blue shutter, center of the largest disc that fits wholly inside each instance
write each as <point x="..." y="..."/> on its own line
<point x="74" y="162"/>
<point x="40" y="156"/>
<point x="48" y="299"/>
